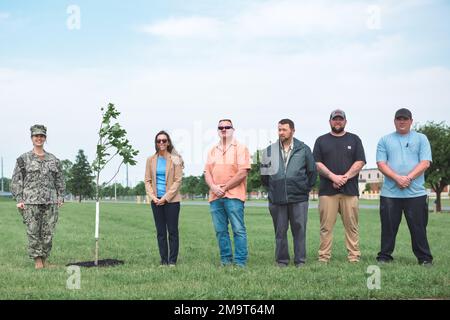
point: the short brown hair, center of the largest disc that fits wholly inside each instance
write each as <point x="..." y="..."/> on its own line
<point x="287" y="121"/>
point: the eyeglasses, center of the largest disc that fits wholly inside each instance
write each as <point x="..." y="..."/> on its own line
<point x="225" y="128"/>
<point x="161" y="141"/>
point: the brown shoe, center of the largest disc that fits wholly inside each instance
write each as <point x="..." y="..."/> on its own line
<point x="38" y="263"/>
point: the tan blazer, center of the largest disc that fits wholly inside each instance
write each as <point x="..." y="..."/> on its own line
<point x="174" y="175"/>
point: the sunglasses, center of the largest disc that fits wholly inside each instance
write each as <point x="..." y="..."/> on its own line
<point x="226" y="128"/>
<point x="161" y="141"/>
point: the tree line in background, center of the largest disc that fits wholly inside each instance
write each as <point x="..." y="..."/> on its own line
<point x="79" y="176"/>
<point x="80" y="181"/>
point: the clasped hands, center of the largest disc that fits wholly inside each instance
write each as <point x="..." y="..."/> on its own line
<point x="159" y="202"/>
<point x="219" y="190"/>
<point x="339" y="180"/>
<point x="403" y="182"/>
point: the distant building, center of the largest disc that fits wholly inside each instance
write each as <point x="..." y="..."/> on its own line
<point x="370" y="180"/>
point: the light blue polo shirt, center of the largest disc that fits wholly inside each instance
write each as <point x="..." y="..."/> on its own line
<point x="402" y="153"/>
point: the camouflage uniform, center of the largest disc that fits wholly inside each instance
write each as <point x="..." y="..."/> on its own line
<point x="39" y="184"/>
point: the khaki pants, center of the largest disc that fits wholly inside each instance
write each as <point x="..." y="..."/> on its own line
<point x="347" y="206"/>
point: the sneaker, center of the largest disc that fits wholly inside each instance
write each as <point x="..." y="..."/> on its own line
<point x="300" y="265"/>
<point x="383" y="261"/>
<point x="282" y="265"/>
<point x="426" y="264"/>
<point x="172" y="265"/>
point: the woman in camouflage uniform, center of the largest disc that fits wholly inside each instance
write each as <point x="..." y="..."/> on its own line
<point x="38" y="187"/>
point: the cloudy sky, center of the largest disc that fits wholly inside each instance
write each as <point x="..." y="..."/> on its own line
<point x="181" y="65"/>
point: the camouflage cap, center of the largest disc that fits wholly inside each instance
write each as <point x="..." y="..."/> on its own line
<point x="38" y="129"/>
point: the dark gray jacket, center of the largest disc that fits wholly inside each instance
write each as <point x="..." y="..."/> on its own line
<point x="289" y="184"/>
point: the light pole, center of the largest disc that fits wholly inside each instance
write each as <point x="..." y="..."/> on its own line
<point x="3" y="190"/>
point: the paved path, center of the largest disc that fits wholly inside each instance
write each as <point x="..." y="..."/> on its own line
<point x="312" y="205"/>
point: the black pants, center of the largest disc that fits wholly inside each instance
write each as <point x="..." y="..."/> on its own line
<point x="416" y="213"/>
<point x="166" y="221"/>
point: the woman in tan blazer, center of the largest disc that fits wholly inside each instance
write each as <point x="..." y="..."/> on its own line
<point x="163" y="175"/>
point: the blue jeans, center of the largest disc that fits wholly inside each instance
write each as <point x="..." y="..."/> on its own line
<point x="230" y="210"/>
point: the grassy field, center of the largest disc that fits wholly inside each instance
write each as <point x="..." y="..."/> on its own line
<point x="128" y="233"/>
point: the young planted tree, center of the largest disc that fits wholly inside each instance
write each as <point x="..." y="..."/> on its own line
<point x="112" y="143"/>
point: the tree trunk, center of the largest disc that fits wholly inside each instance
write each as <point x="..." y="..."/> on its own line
<point x="438" y="201"/>
<point x="438" y="188"/>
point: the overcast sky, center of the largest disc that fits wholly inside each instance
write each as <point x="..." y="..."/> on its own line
<point x="181" y="65"/>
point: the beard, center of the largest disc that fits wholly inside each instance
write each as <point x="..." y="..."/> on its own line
<point x="337" y="130"/>
<point x="285" y="139"/>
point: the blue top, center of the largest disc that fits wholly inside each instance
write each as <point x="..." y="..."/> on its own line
<point x="161" y="177"/>
<point x="402" y="153"/>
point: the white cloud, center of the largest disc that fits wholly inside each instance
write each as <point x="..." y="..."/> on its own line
<point x="184" y="27"/>
<point x="288" y="19"/>
<point x="4" y="15"/>
<point x="255" y="91"/>
<point x="294" y="18"/>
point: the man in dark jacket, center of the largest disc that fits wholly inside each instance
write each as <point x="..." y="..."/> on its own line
<point x="288" y="171"/>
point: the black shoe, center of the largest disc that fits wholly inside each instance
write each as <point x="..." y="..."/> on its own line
<point x="426" y="264"/>
<point x="383" y="261"/>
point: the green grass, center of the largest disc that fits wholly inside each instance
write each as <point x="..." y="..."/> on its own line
<point x="128" y="233"/>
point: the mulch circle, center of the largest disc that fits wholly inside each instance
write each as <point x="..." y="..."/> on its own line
<point x="101" y="263"/>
